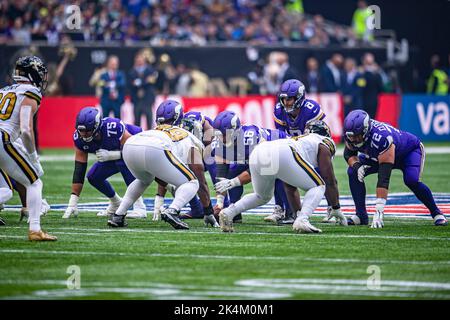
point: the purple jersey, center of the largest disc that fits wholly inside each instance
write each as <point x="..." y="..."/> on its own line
<point x="382" y="135"/>
<point x="110" y="134"/>
<point x="309" y="110"/>
<point x="247" y="138"/>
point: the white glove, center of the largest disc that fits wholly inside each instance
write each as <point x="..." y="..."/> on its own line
<point x="159" y="202"/>
<point x="377" y="221"/>
<point x="340" y="218"/>
<point x="220" y="199"/>
<point x="72" y="207"/>
<point x="211" y="220"/>
<point x="226" y="184"/>
<point x="362" y="172"/>
<point x="34" y="158"/>
<point x="106" y="155"/>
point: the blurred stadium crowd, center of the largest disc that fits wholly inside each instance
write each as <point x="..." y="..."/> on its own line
<point x="166" y="22"/>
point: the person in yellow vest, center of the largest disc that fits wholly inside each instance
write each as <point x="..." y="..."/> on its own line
<point x="438" y="81"/>
<point x="359" y="22"/>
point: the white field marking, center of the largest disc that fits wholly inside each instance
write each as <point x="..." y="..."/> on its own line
<point x="221" y="257"/>
<point x="339" y="152"/>
<point x="217" y="232"/>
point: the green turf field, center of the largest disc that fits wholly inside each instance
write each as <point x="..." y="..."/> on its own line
<point x="150" y="260"/>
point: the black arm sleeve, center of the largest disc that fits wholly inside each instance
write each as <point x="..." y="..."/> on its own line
<point x="384" y="175"/>
<point x="79" y="172"/>
<point x="222" y="170"/>
<point x="349" y="153"/>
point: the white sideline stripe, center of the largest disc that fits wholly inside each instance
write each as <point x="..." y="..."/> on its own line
<point x="220" y="257"/>
<point x="339" y="152"/>
<point x="217" y="232"/>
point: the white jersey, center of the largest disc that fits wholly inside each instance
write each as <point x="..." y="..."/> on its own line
<point x="308" y="146"/>
<point x="178" y="140"/>
<point x="11" y="98"/>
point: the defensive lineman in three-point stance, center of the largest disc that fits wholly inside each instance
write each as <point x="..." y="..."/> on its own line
<point x="20" y="161"/>
<point x="292" y="161"/>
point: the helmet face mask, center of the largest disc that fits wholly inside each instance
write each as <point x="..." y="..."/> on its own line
<point x="356" y="128"/>
<point x="89" y="121"/>
<point x="291" y="95"/>
<point x="31" y="69"/>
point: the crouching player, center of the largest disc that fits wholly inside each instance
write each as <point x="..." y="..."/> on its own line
<point x="292" y="161"/>
<point x="104" y="137"/>
<point x="168" y="154"/>
<point x="382" y="149"/>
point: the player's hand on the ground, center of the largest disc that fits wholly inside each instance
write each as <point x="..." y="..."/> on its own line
<point x="158" y="207"/>
<point x="210" y="220"/>
<point x="104" y="155"/>
<point x="339" y="216"/>
<point x="377" y="221"/>
<point x="226" y="184"/>
<point x="34" y="158"/>
<point x="72" y="207"/>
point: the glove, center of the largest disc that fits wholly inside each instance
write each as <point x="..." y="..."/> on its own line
<point x="377" y="221"/>
<point x="159" y="202"/>
<point x="226" y="184"/>
<point x="34" y="158"/>
<point x="208" y="217"/>
<point x="340" y="218"/>
<point x="72" y="207"/>
<point x="220" y="199"/>
<point x="106" y="155"/>
<point x="360" y="170"/>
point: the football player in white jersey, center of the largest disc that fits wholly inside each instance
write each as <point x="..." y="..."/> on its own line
<point x="293" y="161"/>
<point x="168" y="154"/>
<point x="18" y="104"/>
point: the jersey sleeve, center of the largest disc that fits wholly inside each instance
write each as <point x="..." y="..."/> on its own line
<point x="31" y="92"/>
<point x="380" y="142"/>
<point x="330" y="145"/>
<point x="280" y="124"/>
<point x="314" y="111"/>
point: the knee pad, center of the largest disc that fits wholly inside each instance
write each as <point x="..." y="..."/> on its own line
<point x="410" y="182"/>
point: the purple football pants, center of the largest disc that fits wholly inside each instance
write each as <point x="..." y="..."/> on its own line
<point x="101" y="171"/>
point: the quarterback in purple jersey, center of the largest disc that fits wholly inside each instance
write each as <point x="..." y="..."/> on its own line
<point x="231" y="149"/>
<point x="293" y="110"/>
<point x="105" y="138"/>
<point x="383" y="148"/>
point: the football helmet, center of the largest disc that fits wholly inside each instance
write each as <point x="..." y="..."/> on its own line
<point x="292" y="88"/>
<point x="356" y="128"/>
<point x="88" y="123"/>
<point x="169" y="112"/>
<point x="32" y="69"/>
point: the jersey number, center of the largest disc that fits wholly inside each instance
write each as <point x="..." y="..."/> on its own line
<point x="7" y="104"/>
<point x="175" y="134"/>
<point x="111" y="129"/>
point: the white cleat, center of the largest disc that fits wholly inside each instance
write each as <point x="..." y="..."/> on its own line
<point x="226" y="223"/>
<point x="302" y="224"/>
<point x="277" y="215"/>
<point x="139" y="210"/>
<point x="45" y="207"/>
<point x="111" y="209"/>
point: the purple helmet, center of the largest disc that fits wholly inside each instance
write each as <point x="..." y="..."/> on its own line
<point x="357" y="123"/>
<point x="227" y="124"/>
<point x="169" y="112"/>
<point x="88" y="123"/>
<point x="292" y="88"/>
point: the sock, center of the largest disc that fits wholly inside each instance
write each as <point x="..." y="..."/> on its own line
<point x="134" y="191"/>
<point x="5" y="194"/>
<point x="249" y="201"/>
<point x="423" y="193"/>
<point x="115" y="198"/>
<point x="358" y="190"/>
<point x="184" y="193"/>
<point x="312" y="200"/>
<point x="34" y="203"/>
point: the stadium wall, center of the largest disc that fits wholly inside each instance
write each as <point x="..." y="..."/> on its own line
<point x="56" y="118"/>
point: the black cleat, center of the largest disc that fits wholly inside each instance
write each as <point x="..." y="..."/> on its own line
<point x="289" y="219"/>
<point x="2" y="222"/>
<point x="117" y="221"/>
<point x="170" y="216"/>
<point x="238" y="218"/>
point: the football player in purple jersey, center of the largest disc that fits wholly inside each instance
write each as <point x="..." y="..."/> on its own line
<point x="382" y="148"/>
<point x="103" y="137"/>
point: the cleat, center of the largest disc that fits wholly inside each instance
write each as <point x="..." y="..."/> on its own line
<point x="23" y="214"/>
<point x="2" y="222"/>
<point x="303" y="225"/>
<point x="277" y="215"/>
<point x="356" y="221"/>
<point x="170" y="216"/>
<point x="440" y="221"/>
<point x="112" y="208"/>
<point x="45" y="207"/>
<point x="137" y="215"/>
<point x="117" y="221"/>
<point x="211" y="220"/>
<point x="226" y="224"/>
<point x="40" y="235"/>
<point x="238" y="218"/>
<point x="286" y="220"/>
